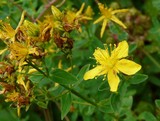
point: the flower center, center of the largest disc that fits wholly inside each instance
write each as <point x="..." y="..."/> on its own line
<point x="107" y="13"/>
<point x="111" y="62"/>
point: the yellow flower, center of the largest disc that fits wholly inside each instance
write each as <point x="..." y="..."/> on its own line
<point x="6" y="31"/>
<point x="71" y="19"/>
<point x="12" y="97"/>
<point x="108" y="14"/>
<point x="31" y="29"/>
<point x="110" y="64"/>
<point x="20" y="51"/>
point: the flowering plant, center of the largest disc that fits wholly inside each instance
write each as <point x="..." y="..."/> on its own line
<point x="73" y="60"/>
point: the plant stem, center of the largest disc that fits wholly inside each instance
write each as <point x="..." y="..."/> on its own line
<point x="66" y="87"/>
<point x="47" y="114"/>
<point x="58" y="105"/>
<point x="59" y="5"/>
<point x="151" y="58"/>
<point x="30" y="63"/>
<point x="79" y="95"/>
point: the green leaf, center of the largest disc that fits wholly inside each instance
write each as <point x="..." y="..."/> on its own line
<point x="132" y="48"/>
<point x="89" y="110"/>
<point x="42" y="104"/>
<point x="105" y="106"/>
<point x="157" y="102"/>
<point x="150" y="8"/>
<point x="138" y="78"/>
<point x="118" y="31"/>
<point x="147" y="116"/>
<point x="63" y="77"/>
<point x="156" y="4"/>
<point x="154" y="80"/>
<point x="39" y="79"/>
<point x="115" y="102"/>
<point x="129" y="116"/>
<point x="81" y="73"/>
<point x="66" y="102"/>
<point x="127" y="102"/>
<point x="103" y="86"/>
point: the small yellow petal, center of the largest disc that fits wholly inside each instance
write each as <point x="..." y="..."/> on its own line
<point x="113" y="80"/>
<point x="121" y="51"/>
<point x="103" y="27"/>
<point x="2" y="51"/>
<point x="32" y="71"/>
<point x="120" y="11"/>
<point x="18" y="111"/>
<point x="128" y="67"/>
<point x="101" y="55"/>
<point x="21" y="21"/>
<point x="116" y="20"/>
<point x="86" y="18"/>
<point x="99" y="19"/>
<point x="56" y="12"/>
<point x="20" y="80"/>
<point x="81" y="9"/>
<point x="89" y="11"/>
<point x="97" y="71"/>
<point x="60" y="64"/>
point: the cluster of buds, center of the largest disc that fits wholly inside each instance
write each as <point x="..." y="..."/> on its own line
<point x="15" y="87"/>
<point x="25" y="45"/>
<point x="65" y="22"/>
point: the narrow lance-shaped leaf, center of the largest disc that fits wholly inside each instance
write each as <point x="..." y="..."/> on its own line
<point x="66" y="102"/>
<point x="63" y="77"/>
<point x="138" y="78"/>
<point x="157" y="102"/>
<point x="81" y="73"/>
<point x="115" y="102"/>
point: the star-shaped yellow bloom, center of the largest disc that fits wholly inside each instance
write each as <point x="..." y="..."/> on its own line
<point x="19" y="51"/>
<point x="108" y="14"/>
<point x="110" y="64"/>
<point x="71" y="19"/>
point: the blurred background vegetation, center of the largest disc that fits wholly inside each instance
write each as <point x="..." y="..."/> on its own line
<point x="141" y="101"/>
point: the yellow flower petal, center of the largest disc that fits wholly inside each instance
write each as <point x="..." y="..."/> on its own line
<point x="81" y="9"/>
<point x="2" y="51"/>
<point x="113" y="80"/>
<point x="97" y="71"/>
<point x="101" y="56"/>
<point x="103" y="27"/>
<point x="20" y="80"/>
<point x="121" y="51"/>
<point x="89" y="11"/>
<point x="56" y="12"/>
<point x="6" y="31"/>
<point x="99" y="19"/>
<point x="85" y="18"/>
<point x="60" y="64"/>
<point x="32" y="71"/>
<point x="116" y="20"/>
<point x="120" y="11"/>
<point x="18" y="50"/>
<point x="128" y="67"/>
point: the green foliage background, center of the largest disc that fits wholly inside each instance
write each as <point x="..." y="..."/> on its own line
<point x="137" y="99"/>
